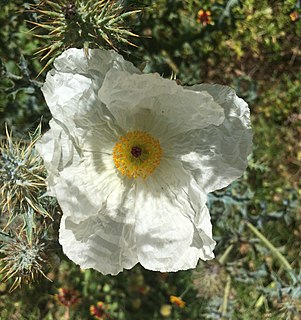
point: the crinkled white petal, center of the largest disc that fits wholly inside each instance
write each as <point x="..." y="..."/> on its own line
<point x="98" y="134"/>
<point x="71" y="89"/>
<point x="100" y="242"/>
<point x="57" y="151"/>
<point x="83" y="189"/>
<point x="97" y="60"/>
<point x="217" y="155"/>
<point x="81" y="183"/>
<point x="181" y="110"/>
<point x="105" y="241"/>
<point x="173" y="228"/>
<point x="66" y="94"/>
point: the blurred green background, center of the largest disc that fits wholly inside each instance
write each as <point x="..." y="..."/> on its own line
<point x="251" y="45"/>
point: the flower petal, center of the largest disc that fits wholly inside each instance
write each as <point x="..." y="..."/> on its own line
<point x="80" y="182"/>
<point x="105" y="241"/>
<point x="71" y="88"/>
<point x="100" y="242"/>
<point x="126" y="95"/>
<point x="57" y="151"/>
<point x="97" y="60"/>
<point x="173" y="228"/>
<point x="217" y="155"/>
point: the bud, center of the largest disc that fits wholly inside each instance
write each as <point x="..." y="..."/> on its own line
<point x="80" y="24"/>
<point x="23" y="258"/>
<point x="209" y="279"/>
<point x="22" y="175"/>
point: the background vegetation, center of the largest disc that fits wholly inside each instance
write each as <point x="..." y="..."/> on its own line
<point x="251" y="45"/>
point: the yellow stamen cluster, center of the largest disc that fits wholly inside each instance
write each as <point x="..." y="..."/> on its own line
<point x="137" y="154"/>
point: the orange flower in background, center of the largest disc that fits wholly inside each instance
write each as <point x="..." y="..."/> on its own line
<point x="67" y="297"/>
<point x="204" y="17"/>
<point x="294" y="16"/>
<point x="99" y="311"/>
<point x="177" y="301"/>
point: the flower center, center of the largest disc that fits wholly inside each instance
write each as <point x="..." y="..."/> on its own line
<point x="137" y="154"/>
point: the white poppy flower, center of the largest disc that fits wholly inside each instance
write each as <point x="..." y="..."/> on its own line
<point x="131" y="157"/>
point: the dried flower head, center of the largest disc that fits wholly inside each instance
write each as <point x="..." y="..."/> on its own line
<point x="290" y="307"/>
<point x="209" y="279"/>
<point x="21" y="175"/>
<point x="24" y="257"/>
<point x="80" y="24"/>
<point x="67" y="297"/>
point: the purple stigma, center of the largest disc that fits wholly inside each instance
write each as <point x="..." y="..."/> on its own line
<point x="136" y="151"/>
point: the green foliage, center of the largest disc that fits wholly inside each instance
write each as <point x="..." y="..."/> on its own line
<point x="21" y="103"/>
<point x="251" y="45"/>
<point x="264" y="27"/>
<point x="278" y="147"/>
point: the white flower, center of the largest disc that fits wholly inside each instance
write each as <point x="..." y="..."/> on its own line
<point x="131" y="157"/>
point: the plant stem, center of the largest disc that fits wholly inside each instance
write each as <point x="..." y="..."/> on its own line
<point x="226" y="296"/>
<point x="274" y="250"/>
<point x="224" y="257"/>
<point x="185" y="291"/>
<point x="86" y="282"/>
